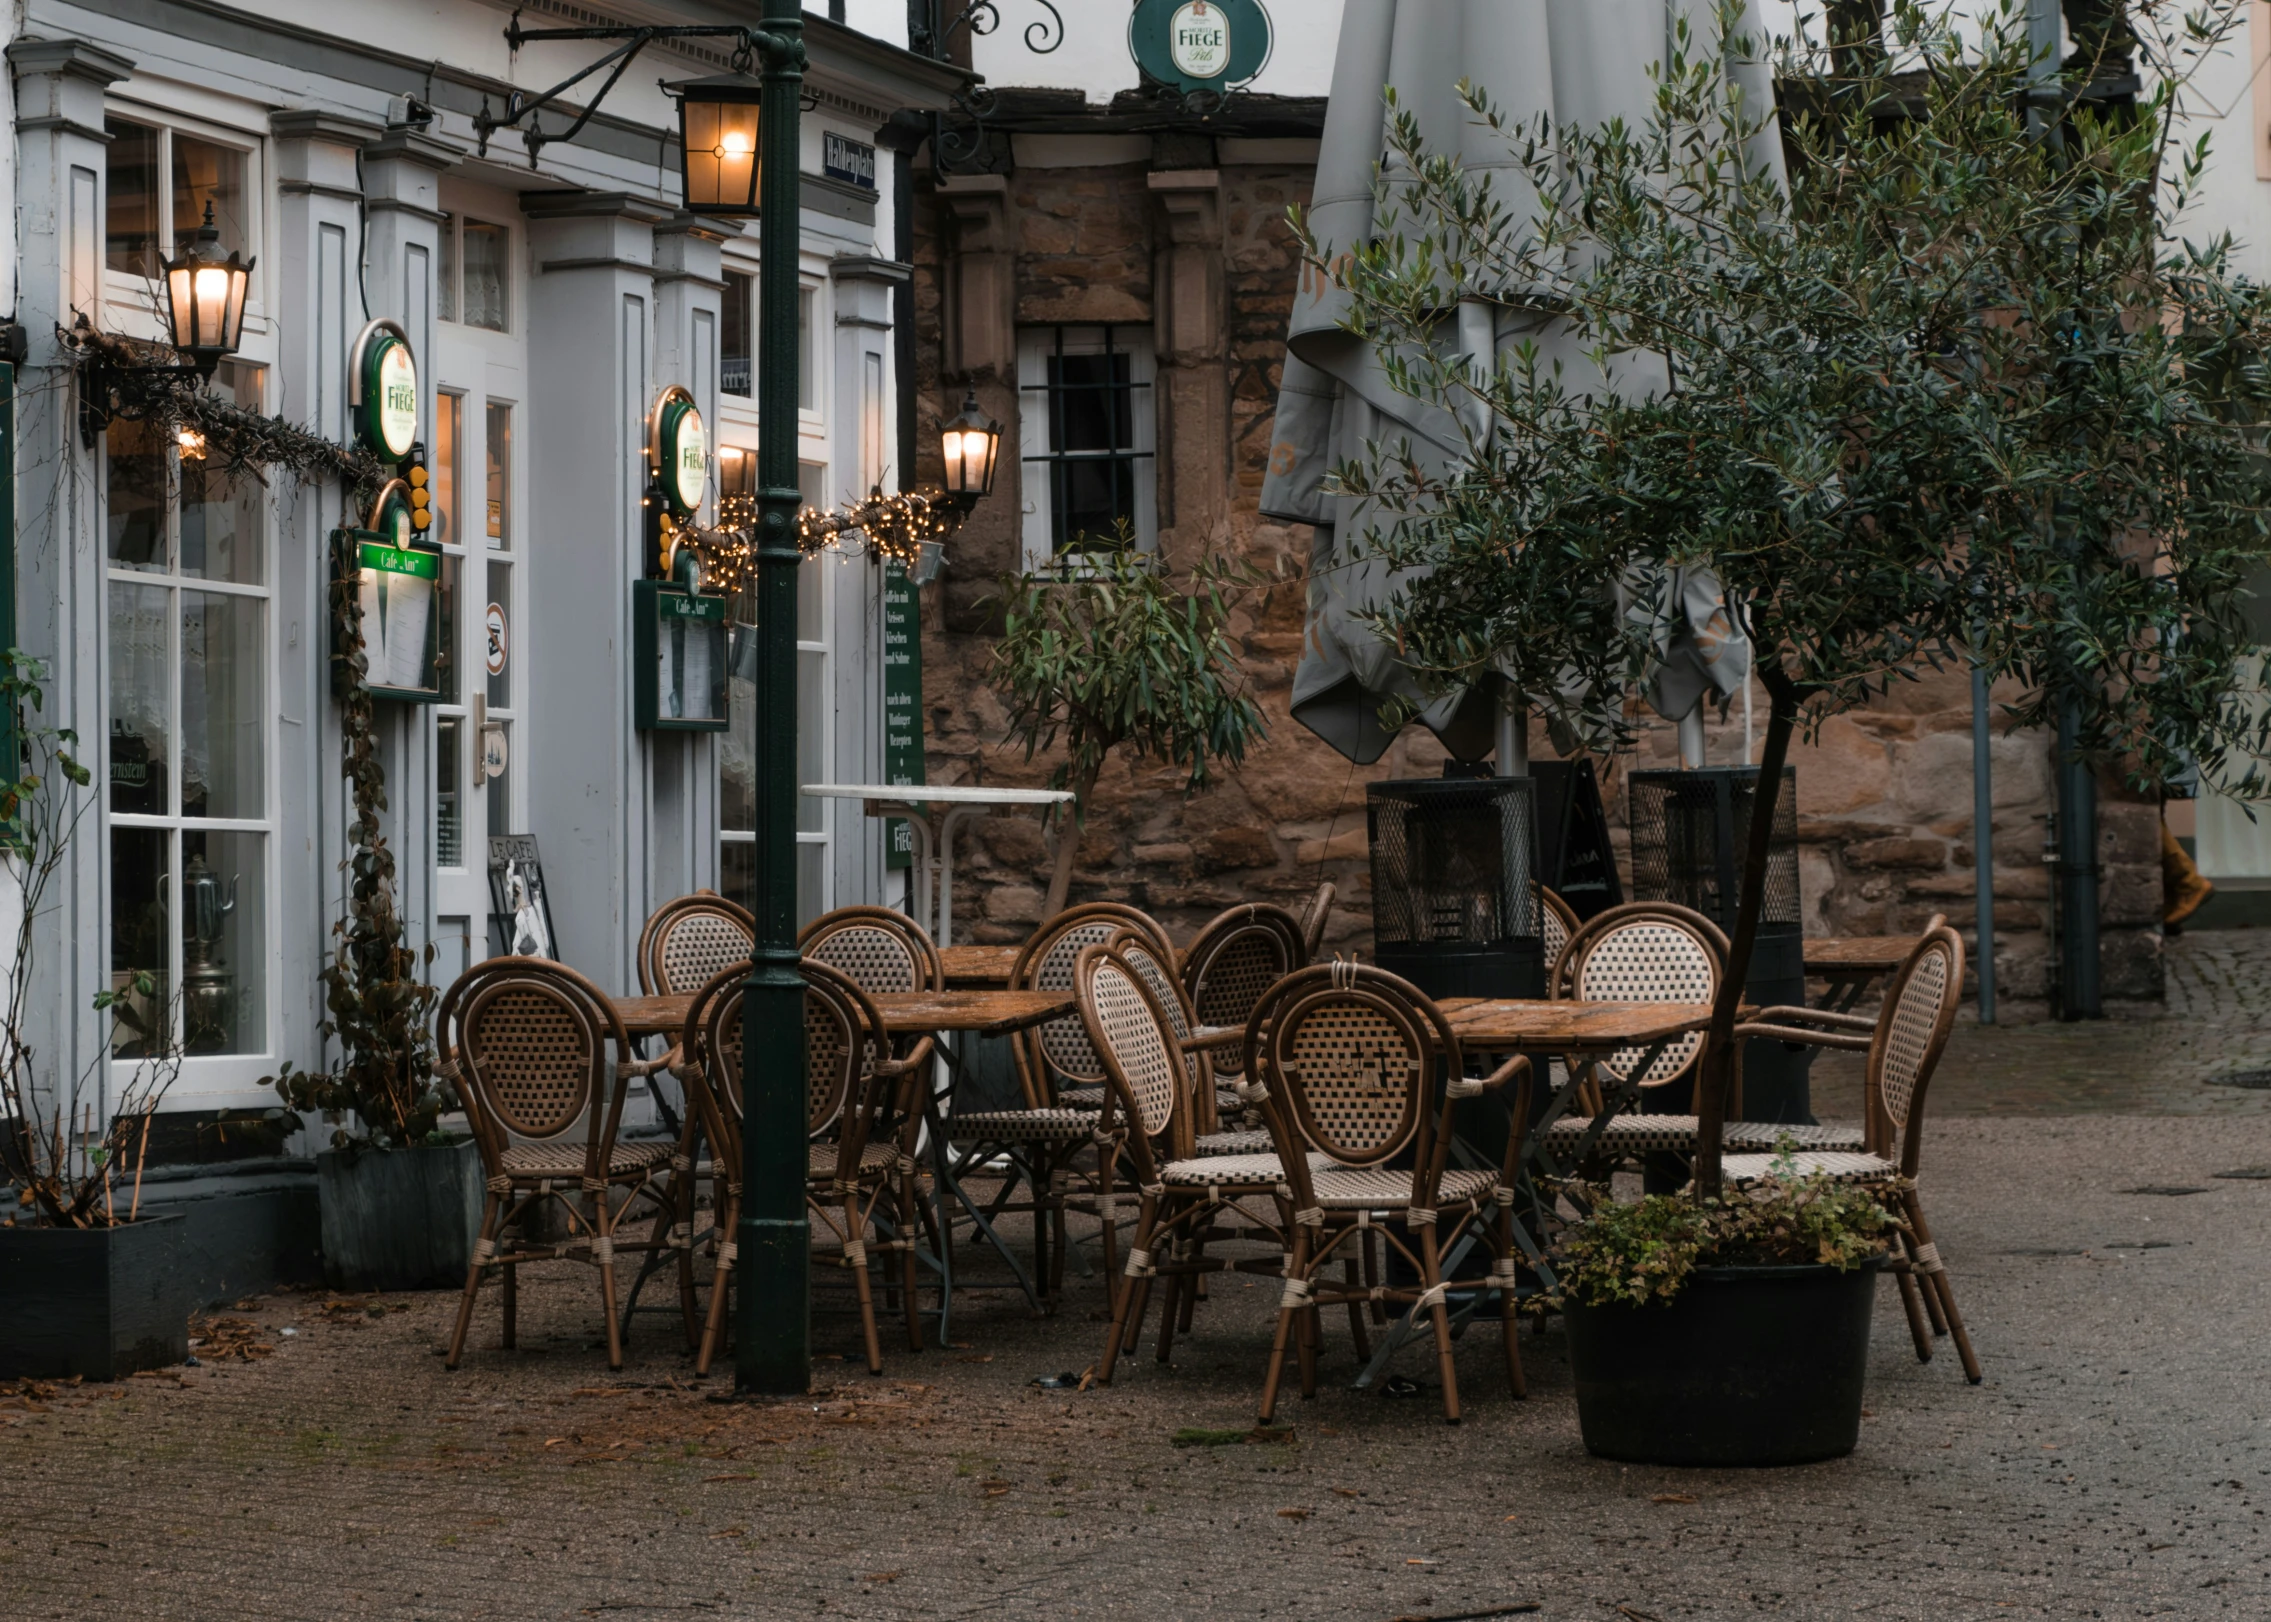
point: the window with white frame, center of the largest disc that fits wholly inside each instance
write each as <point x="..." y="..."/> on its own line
<point x="162" y="182"/>
<point x="473" y="278"/>
<point x="187" y="762"/>
<point x="1085" y="426"/>
<point x="737" y="781"/>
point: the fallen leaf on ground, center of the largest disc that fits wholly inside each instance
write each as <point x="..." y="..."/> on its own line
<point x="1293" y="1514"/>
<point x="1348" y="1492"/>
<point x="743" y="1477"/>
<point x="986" y="1357"/>
<point x="1673" y="1498"/>
<point x="993" y="1489"/>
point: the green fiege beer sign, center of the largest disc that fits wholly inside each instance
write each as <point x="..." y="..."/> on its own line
<point x="1210" y="46"/>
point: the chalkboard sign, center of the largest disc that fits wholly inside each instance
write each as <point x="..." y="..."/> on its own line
<point x="902" y="702"/>
<point x="398" y="589"/>
<point x="678" y="657"/>
<point x="520" y="908"/>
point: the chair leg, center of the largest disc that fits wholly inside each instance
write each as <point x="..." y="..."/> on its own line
<point x="492" y="1219"/>
<point x="1936" y="1284"/>
<point x="1915" y="1244"/>
<point x="855" y="1258"/>
<point x="1371" y="1243"/>
<point x="907" y="1223"/>
<point x="1918" y="1329"/>
<point x="1124" y="1306"/>
<point x="1431" y="1276"/>
<point x="1351" y="1270"/>
<point x="1305" y="1344"/>
<point x="1194" y="1284"/>
<point x="1509" y="1314"/>
<point x="1296" y="1267"/>
<point x="603" y="1241"/>
<point x="511" y="1282"/>
<point x="729" y="1218"/>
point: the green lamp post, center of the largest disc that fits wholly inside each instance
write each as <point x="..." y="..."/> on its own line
<point x="738" y="140"/>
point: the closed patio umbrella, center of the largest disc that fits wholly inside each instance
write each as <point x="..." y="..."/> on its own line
<point x="1583" y="62"/>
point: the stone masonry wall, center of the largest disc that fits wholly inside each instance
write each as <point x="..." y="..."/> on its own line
<point x="1884" y="795"/>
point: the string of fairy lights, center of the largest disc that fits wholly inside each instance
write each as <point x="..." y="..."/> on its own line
<point x="892" y="528"/>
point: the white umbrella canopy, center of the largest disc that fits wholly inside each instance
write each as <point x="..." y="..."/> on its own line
<point x="1582" y="62"/>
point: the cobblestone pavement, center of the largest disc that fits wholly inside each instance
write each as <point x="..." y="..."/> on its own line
<point x="2114" y="1464"/>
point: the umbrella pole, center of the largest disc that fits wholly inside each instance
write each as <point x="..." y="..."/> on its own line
<point x="1691" y="739"/>
<point x="1513" y="735"/>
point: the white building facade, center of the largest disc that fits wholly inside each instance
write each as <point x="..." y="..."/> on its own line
<point x="184" y="615"/>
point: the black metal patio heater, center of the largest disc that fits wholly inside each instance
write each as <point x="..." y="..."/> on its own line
<point x="1689" y="832"/>
<point x="1452" y="907"/>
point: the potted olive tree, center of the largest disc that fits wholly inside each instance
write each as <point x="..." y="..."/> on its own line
<point x="400" y="1197"/>
<point x="1110" y="649"/>
<point x="1952" y="391"/>
<point x="93" y="1284"/>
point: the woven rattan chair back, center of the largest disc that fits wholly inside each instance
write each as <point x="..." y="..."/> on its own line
<point x="1646" y="951"/>
<point x="881" y="950"/>
<point x="1919" y="1012"/>
<point x="1556" y="924"/>
<point x="839" y="1023"/>
<point x="1313" y="919"/>
<point x="689" y="940"/>
<point x="1238" y="956"/>
<point x="1061" y="1047"/>
<point x="1132" y="1031"/>
<point x="526" y="1042"/>
<point x="1350" y="1057"/>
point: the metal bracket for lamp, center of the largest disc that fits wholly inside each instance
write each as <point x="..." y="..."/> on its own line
<point x="750" y="44"/>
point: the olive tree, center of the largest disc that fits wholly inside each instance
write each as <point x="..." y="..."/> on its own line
<point x="1922" y="365"/>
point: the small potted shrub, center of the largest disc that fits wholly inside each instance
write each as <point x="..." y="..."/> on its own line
<point x="400" y="1197"/>
<point x="90" y="1283"/>
<point x="1727" y="1331"/>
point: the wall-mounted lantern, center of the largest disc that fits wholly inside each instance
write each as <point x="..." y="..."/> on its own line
<point x="205" y="295"/>
<point x="717" y="143"/>
<point x="970" y="444"/>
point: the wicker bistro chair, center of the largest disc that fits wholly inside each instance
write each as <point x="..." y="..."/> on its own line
<point x="526" y="1043"/>
<point x="1232" y="961"/>
<point x="1350" y="1060"/>
<point x="862" y="1113"/>
<point x="1180" y="1199"/>
<point x="1063" y="1083"/>
<point x="1656" y="951"/>
<point x="1314" y="917"/>
<point x="1904" y="1043"/>
<point x="880" y="951"/>
<point x="1556" y="924"/>
<point x="689" y="940"/>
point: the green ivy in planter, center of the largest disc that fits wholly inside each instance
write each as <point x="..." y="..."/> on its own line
<point x="1643" y="1252"/>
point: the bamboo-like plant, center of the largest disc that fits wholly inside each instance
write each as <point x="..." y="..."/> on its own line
<point x="1956" y="391"/>
<point x="1111" y="650"/>
<point x="74" y="1159"/>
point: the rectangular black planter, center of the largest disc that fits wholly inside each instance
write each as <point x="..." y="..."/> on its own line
<point x="400" y="1219"/>
<point x="98" y="1302"/>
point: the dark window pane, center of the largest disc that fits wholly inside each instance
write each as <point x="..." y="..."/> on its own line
<point x="1090" y="499"/>
<point x="224" y="963"/>
<point x="205" y="174"/>
<point x="736" y="352"/>
<point x="1090" y="394"/>
<point x="141" y="698"/>
<point x="141" y="883"/>
<point x="130" y="233"/>
<point x="136" y="487"/>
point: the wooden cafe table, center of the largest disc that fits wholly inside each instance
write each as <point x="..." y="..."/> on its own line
<point x="1850" y="963"/>
<point x="976" y="968"/>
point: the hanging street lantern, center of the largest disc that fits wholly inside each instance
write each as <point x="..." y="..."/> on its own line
<point x="717" y="140"/>
<point x="205" y="298"/>
<point x="970" y="444"/>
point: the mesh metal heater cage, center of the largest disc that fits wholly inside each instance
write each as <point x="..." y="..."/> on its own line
<point x="1690" y="831"/>
<point x="1453" y="910"/>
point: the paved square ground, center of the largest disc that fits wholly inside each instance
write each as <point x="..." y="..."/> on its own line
<point x="2114" y="1464"/>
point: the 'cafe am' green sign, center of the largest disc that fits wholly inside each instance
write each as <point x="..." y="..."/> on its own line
<point x="1195" y="45"/>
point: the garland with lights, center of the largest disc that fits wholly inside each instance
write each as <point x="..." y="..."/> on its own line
<point x="895" y="528"/>
<point x="124" y="378"/>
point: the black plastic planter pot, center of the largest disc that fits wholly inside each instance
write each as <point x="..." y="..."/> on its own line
<point x="400" y="1219"/>
<point x="1745" y="1366"/>
<point x="97" y="1302"/>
